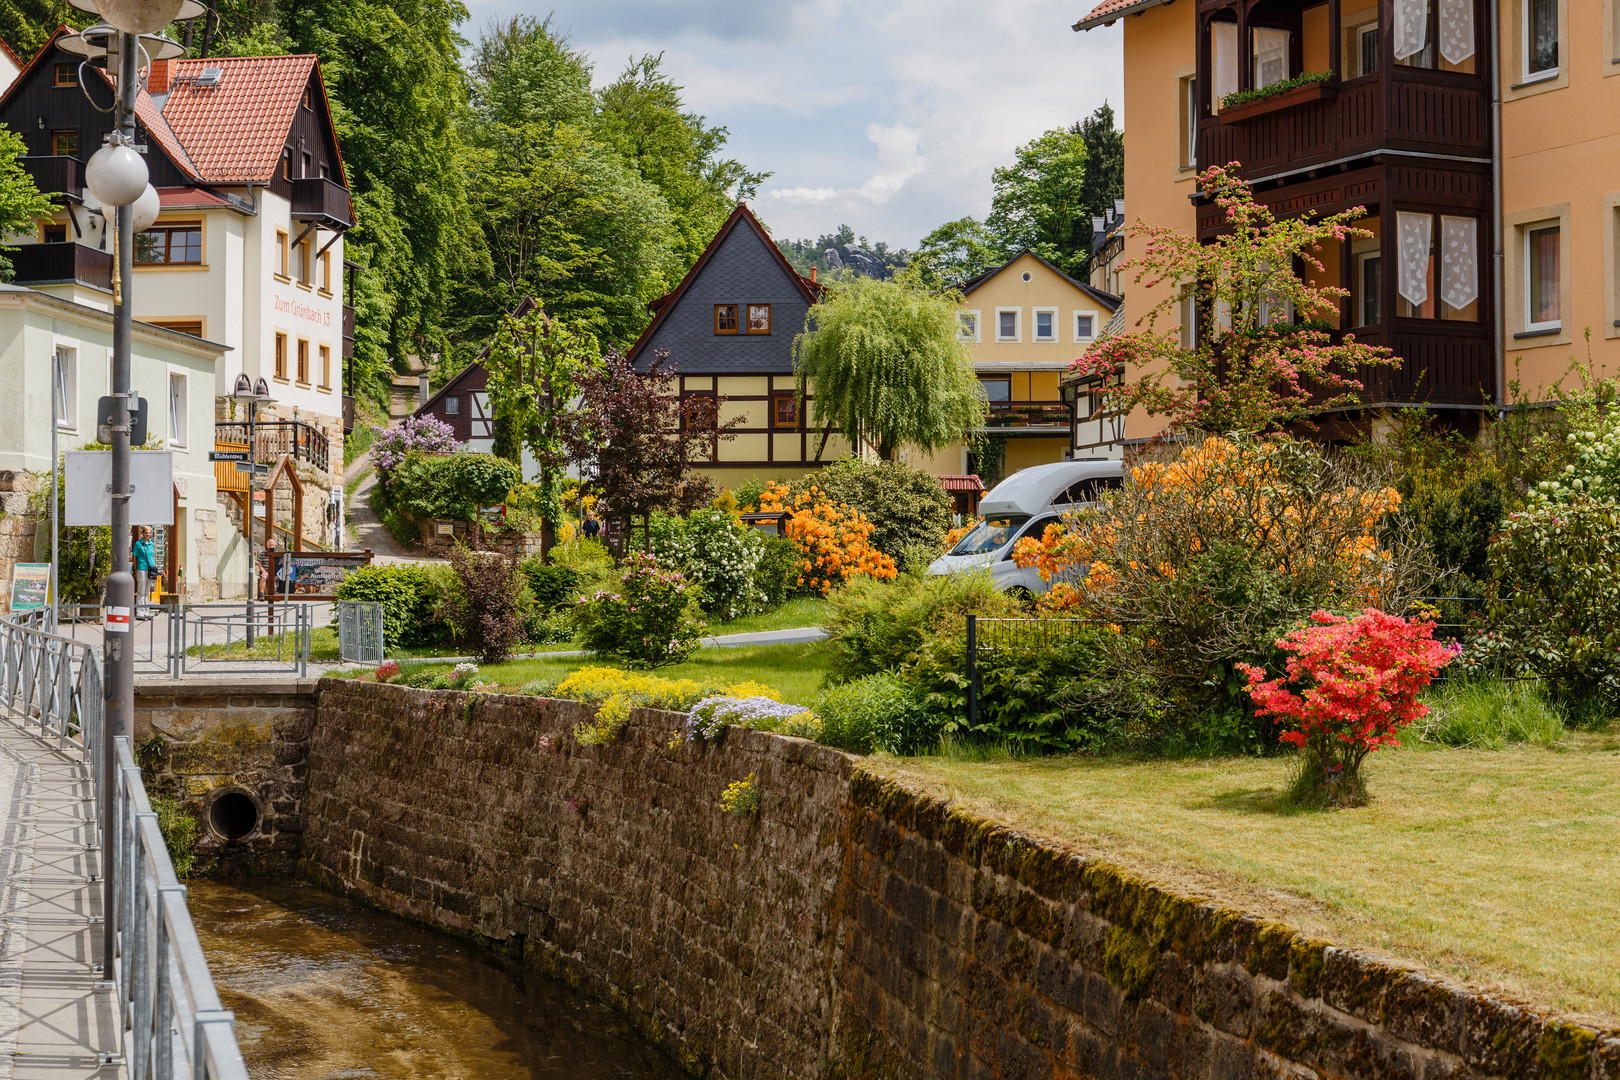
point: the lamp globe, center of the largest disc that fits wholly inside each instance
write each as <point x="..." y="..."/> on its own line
<point x="139" y="16"/>
<point x="116" y="175"/>
<point x="144" y="210"/>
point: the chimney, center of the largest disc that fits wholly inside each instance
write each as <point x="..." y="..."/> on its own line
<point x="157" y="82"/>
<point x="422" y="394"/>
<point x="812" y="275"/>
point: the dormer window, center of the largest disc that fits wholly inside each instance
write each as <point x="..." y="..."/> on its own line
<point x="725" y="318"/>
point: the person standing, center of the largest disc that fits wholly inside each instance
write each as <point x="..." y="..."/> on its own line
<point x="145" y="560"/>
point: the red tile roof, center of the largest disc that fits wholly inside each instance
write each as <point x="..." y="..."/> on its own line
<point x="1109" y="10"/>
<point x="968" y="483"/>
<point x="184" y="198"/>
<point x="235" y="130"/>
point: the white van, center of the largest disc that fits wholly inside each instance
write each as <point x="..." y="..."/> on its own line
<point x="1023" y="505"/>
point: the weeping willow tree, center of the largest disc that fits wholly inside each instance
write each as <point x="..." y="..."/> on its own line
<point x="884" y="365"/>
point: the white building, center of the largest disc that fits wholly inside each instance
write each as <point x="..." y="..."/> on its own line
<point x="46" y="338"/>
<point x="247" y="252"/>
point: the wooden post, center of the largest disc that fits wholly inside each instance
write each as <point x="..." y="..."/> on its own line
<point x="1245" y="51"/>
<point x="1335" y="42"/>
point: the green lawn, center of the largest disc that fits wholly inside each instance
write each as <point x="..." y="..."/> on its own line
<point x="1497" y="867"/>
<point x="798" y="612"/>
<point x="796" y="670"/>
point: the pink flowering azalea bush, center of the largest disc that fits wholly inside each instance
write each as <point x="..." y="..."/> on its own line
<point x="1351" y="685"/>
<point x="650" y="620"/>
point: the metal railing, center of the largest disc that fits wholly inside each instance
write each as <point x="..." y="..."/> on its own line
<point x="360" y="631"/>
<point x="275" y="439"/>
<point x="173" y="1026"/>
<point x="243" y="639"/>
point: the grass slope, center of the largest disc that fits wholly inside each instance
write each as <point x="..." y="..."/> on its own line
<point x="1497" y="867"/>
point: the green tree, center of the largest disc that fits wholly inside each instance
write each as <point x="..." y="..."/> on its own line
<point x="885" y="366"/>
<point x="956" y="251"/>
<point x="28" y="24"/>
<point x="1104" y="181"/>
<point x="1039" y="201"/>
<point x="20" y="200"/>
<point x="536" y="367"/>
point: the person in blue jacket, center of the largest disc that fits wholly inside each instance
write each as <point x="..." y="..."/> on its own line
<point x="144" y="557"/>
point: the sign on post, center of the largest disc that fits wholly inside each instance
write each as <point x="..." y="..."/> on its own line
<point x="87" y="487"/>
<point x="228" y="455"/>
<point x="310" y="575"/>
<point x="30" y="586"/>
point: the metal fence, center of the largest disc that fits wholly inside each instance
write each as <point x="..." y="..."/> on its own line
<point x="173" y="1026"/>
<point x="360" y="631"/>
<point x="242" y="639"/>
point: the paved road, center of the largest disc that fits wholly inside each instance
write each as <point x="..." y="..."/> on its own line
<point x="368" y="529"/>
<point x="53" y="1019"/>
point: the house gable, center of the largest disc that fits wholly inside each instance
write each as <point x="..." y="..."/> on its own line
<point x="741" y="266"/>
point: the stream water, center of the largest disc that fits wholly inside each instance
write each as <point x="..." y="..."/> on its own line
<point x="324" y="988"/>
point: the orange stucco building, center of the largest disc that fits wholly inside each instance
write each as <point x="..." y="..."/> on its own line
<point x="1481" y="136"/>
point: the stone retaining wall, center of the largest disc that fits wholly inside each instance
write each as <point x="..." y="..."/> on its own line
<point x="854" y="929"/>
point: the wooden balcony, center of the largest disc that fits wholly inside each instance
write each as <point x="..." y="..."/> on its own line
<point x="61" y="264"/>
<point x="315" y="198"/>
<point x="1442" y="363"/>
<point x="275" y="439"/>
<point x="1028" y="417"/>
<point x="55" y="175"/>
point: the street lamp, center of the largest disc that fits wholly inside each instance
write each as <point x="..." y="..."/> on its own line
<point x="250" y="394"/>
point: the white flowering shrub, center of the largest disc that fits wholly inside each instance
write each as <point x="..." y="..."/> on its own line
<point x="718" y="554"/>
<point x="1595" y="472"/>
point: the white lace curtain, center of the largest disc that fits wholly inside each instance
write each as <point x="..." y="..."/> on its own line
<point x="1459" y="260"/>
<point x="1456" y="30"/>
<point x="1416" y="232"/>
<point x="1225" y="36"/>
<point x="1411" y="27"/>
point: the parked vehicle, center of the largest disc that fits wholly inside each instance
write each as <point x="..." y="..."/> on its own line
<point x="1023" y="505"/>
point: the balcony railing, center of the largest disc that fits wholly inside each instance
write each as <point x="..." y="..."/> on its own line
<point x="315" y="198"/>
<point x="348" y="413"/>
<point x="348" y="331"/>
<point x="1442" y="363"/>
<point x="55" y="174"/>
<point x="61" y="264"/>
<point x="275" y="439"/>
<point x="1028" y="414"/>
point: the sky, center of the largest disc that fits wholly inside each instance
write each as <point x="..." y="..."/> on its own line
<point x="887" y="115"/>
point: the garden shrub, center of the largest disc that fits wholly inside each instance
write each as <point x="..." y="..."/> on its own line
<point x="879" y="625"/>
<point x="755" y="712"/>
<point x="1555" y="609"/>
<point x="1351" y="684"/>
<point x="410" y="594"/>
<point x="1489" y="714"/>
<point x="591" y="559"/>
<point x="718" y="554"/>
<point x="617" y="692"/>
<point x="776" y="574"/>
<point x="649" y="621"/>
<point x="489" y="603"/>
<point x="906" y="507"/>
<point x="553" y="585"/>
<point x="425" y="434"/>
<point x="876" y="712"/>
<point x="833" y="540"/>
<point x="456" y="486"/>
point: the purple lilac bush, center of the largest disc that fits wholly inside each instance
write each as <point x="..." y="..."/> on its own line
<point x="426" y="433"/>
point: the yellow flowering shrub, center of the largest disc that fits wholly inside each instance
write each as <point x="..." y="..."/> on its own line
<point x="616" y="692"/>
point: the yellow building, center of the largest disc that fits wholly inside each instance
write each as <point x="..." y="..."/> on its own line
<point x="1025" y="322"/>
<point x="1497" y="227"/>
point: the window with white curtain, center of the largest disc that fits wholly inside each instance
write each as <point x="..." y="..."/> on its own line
<point x="65" y="377"/>
<point x="1271" y="48"/>
<point x="1540" y="34"/>
<point x="1459" y="268"/>
<point x="1543" y="272"/>
<point x="1224" y="44"/>
<point x="1409" y="30"/>
<point x="1414" y="278"/>
<point x="1456" y="31"/>
<point x="178" y="427"/>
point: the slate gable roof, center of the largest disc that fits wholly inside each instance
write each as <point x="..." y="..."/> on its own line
<point x="741" y="265"/>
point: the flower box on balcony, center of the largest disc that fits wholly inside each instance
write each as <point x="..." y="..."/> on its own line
<point x="1287" y="99"/>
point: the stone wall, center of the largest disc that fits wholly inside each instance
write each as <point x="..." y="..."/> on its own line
<point x="17" y="527"/>
<point x="854" y="929"/>
<point x="199" y="739"/>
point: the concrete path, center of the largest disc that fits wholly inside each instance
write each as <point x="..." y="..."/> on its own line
<point x="364" y="524"/>
<point x="54" y="1021"/>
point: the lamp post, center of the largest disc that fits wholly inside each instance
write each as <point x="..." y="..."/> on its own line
<point x="250" y="394"/>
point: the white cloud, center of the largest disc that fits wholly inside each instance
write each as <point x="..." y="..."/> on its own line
<point x="886" y="114"/>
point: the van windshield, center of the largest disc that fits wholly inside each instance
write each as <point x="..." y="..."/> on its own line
<point x="990" y="534"/>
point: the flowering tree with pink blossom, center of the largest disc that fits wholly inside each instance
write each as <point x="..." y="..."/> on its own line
<point x="1251" y="367"/>
<point x="428" y="434"/>
<point x="1351" y="685"/>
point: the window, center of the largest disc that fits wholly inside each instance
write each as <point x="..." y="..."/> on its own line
<point x="452" y="405"/>
<point x="1543" y="271"/>
<point x="1007" y="324"/>
<point x="1271" y="48"/>
<point x="1223" y="42"/>
<point x="53" y="234"/>
<point x="1364" y="51"/>
<point x="194" y="327"/>
<point x="785" y="411"/>
<point x="179" y="244"/>
<point x="326" y="272"/>
<point x="1089" y="489"/>
<point x="281" y="357"/>
<point x="281" y="256"/>
<point x="304" y="256"/>
<point x="1189" y="123"/>
<point x="1438" y="268"/>
<point x="997" y="389"/>
<point x="67" y="74"/>
<point x="699" y="414"/>
<point x="759" y="318"/>
<point x="1085" y="327"/>
<point x="1045" y="324"/>
<point x="967" y="326"/>
<point x="65" y="375"/>
<point x="1412" y="41"/>
<point x="308" y="98"/>
<point x="65" y="143"/>
<point x="1367" y="286"/>
<point x="286" y="164"/>
<point x="303" y="361"/>
<point x="177" y="409"/>
<point x="1540" y="38"/>
<point x="326" y="366"/>
<point x="305" y="170"/>
<point x="725" y="318"/>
